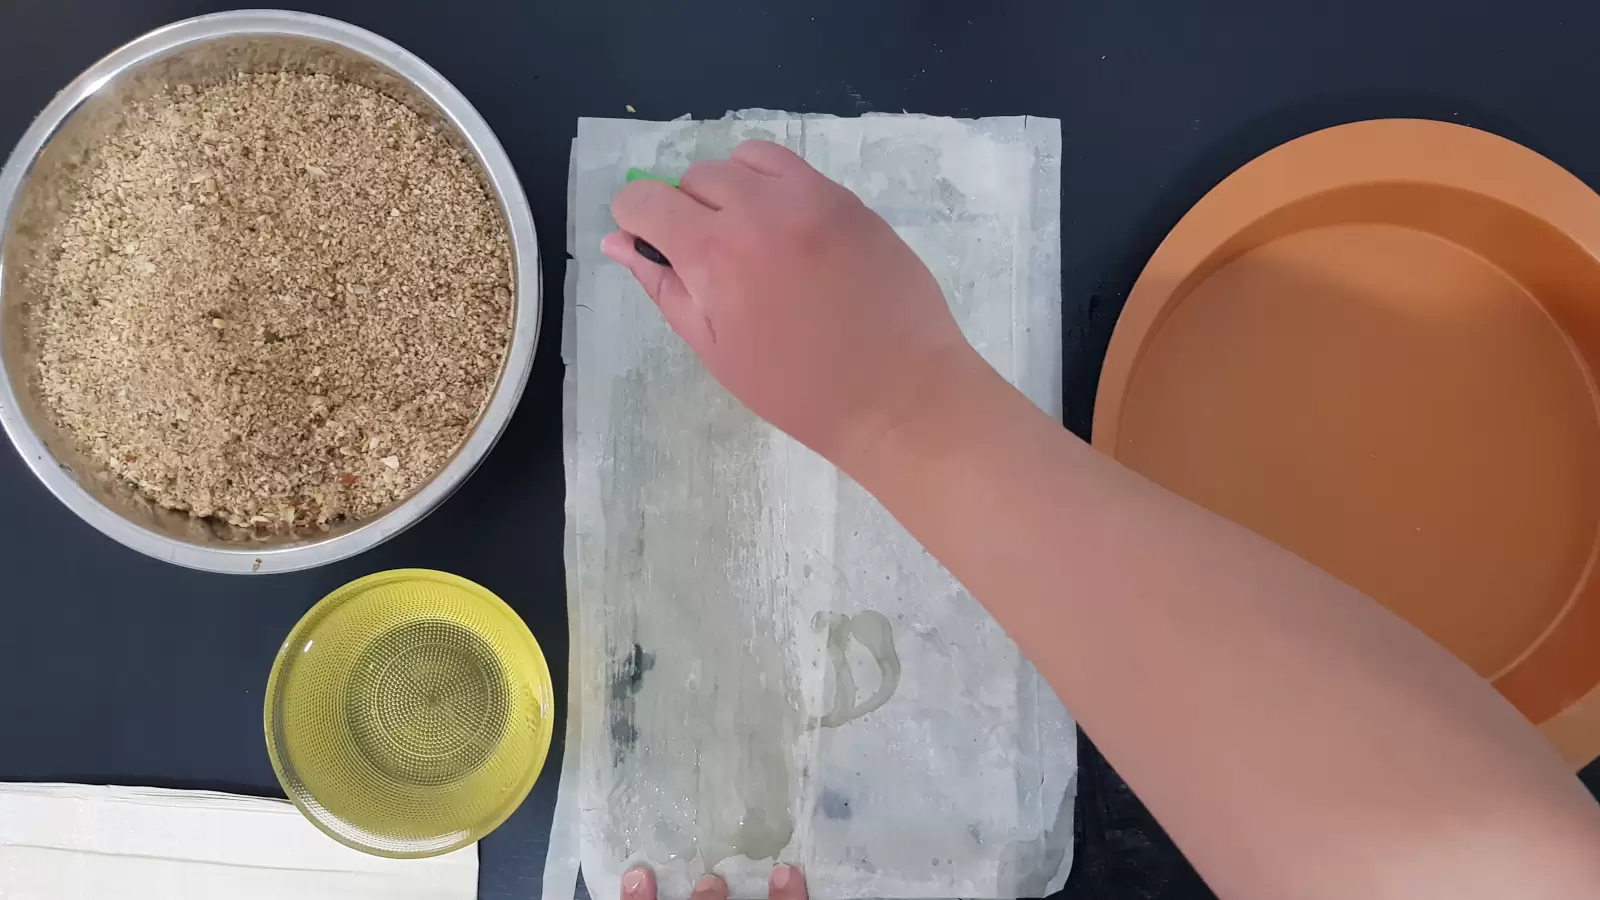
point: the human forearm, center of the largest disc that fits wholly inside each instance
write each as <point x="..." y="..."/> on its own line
<point x="1320" y="734"/>
<point x="1296" y="739"/>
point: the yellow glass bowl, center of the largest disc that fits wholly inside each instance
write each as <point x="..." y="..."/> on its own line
<point x="409" y="713"/>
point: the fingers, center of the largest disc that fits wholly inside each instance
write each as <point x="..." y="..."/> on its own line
<point x="769" y="158"/>
<point x="671" y="220"/>
<point x="719" y="184"/>
<point x="709" y="887"/>
<point x="683" y="315"/>
<point x="787" y="884"/>
<point x="639" y="883"/>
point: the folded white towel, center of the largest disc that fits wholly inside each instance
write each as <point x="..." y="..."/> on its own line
<point x="79" y="842"/>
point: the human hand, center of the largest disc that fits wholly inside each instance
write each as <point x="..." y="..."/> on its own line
<point x="803" y="302"/>
<point x="639" y="883"/>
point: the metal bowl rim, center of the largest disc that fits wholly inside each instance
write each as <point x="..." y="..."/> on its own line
<point x="471" y="127"/>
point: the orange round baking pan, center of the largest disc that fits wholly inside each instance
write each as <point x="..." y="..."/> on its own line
<point x="1376" y="346"/>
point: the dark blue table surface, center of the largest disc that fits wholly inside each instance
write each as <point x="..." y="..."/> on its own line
<point x="115" y="668"/>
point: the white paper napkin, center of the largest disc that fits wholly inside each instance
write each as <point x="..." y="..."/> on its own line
<point x="75" y="842"/>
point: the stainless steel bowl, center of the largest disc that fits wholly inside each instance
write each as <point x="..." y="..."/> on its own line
<point x="37" y="182"/>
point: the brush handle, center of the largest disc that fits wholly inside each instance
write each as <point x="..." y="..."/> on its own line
<point x="649" y="252"/>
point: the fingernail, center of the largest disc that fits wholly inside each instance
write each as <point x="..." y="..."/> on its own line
<point x="707" y="885"/>
<point x="782" y="877"/>
<point x="633" y="881"/>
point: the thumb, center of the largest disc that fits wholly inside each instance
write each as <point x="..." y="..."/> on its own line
<point x="680" y="310"/>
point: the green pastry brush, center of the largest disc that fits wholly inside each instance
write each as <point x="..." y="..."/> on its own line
<point x="644" y="247"/>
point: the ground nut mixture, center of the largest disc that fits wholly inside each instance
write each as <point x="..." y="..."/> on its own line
<point x="279" y="302"/>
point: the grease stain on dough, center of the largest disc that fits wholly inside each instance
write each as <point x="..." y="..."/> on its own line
<point x="872" y="631"/>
